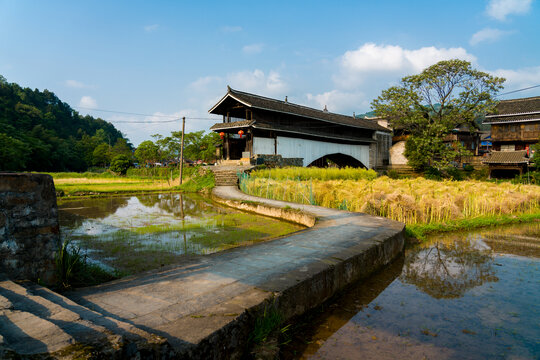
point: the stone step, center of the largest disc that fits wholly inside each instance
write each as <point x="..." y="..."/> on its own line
<point x="38" y="321"/>
<point x="226" y="177"/>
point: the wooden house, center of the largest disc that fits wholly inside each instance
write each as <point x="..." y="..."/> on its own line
<point x="260" y="128"/>
<point x="515" y="125"/>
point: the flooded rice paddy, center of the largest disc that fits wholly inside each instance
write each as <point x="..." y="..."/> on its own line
<point x="137" y="233"/>
<point x="460" y="296"/>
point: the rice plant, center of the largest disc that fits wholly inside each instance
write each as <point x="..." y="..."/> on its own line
<point x="412" y="201"/>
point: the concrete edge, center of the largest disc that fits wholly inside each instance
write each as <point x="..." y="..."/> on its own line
<point x="307" y="288"/>
<point x="289" y="214"/>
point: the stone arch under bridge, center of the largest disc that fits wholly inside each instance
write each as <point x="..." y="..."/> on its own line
<point x="341" y="160"/>
<point x="312" y="150"/>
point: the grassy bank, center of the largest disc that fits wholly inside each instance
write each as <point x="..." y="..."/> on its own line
<point x="91" y="184"/>
<point x="420" y="231"/>
<point x="424" y="205"/>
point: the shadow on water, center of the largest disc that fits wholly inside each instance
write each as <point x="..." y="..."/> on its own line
<point x="458" y="296"/>
<point x="138" y="233"/>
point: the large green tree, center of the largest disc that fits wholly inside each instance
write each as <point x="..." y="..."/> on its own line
<point x="428" y="106"/>
<point x="147" y="152"/>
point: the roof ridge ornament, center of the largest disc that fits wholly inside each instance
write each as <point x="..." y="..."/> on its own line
<point x="228" y="88"/>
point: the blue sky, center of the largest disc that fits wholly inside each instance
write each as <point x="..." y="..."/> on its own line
<point x="175" y="58"/>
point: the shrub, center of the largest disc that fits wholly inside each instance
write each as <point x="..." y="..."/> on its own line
<point x="432" y="173"/>
<point x="393" y="174"/>
<point x="120" y="164"/>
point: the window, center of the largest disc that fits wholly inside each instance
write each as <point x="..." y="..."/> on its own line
<point x="508" y="147"/>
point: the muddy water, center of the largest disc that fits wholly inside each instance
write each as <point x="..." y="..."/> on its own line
<point x="137" y="233"/>
<point x="460" y="296"/>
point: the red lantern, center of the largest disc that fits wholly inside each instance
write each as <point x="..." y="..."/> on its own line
<point x="241" y="132"/>
<point x="222" y="135"/>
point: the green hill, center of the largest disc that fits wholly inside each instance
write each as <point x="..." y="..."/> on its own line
<point x="39" y="132"/>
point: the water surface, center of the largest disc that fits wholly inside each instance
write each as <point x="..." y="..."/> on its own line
<point x="136" y="233"/>
<point x="459" y="296"/>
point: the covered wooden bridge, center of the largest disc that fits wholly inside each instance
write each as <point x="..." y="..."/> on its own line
<point x="256" y="127"/>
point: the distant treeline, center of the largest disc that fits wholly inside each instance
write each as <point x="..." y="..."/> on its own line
<point x="39" y="132"/>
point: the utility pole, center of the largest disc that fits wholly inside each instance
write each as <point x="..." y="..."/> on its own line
<point x="182" y="149"/>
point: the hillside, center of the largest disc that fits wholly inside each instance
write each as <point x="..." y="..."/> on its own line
<point x="39" y="132"/>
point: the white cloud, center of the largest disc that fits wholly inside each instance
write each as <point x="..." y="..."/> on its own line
<point x="151" y="28"/>
<point x="372" y="57"/>
<point x="378" y="63"/>
<point x="338" y="101"/>
<point x="231" y="29"/>
<point x="203" y="84"/>
<point x="364" y="72"/>
<point x="256" y="81"/>
<point x="488" y="35"/>
<point x="252" y="49"/>
<point x="500" y="9"/>
<point x="88" y="102"/>
<point x="519" y="79"/>
<point x="75" y="84"/>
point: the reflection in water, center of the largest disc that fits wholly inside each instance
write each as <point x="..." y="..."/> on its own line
<point x="456" y="297"/>
<point x="448" y="267"/>
<point x="138" y="233"/>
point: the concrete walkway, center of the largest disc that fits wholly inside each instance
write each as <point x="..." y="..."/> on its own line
<point x="205" y="307"/>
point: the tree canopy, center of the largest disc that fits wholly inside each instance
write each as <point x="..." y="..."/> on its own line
<point x="197" y="145"/>
<point x="428" y="106"/>
<point x="39" y="132"/>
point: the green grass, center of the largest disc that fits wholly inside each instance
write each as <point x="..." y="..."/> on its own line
<point x="265" y="324"/>
<point x="420" y="231"/>
<point x="72" y="269"/>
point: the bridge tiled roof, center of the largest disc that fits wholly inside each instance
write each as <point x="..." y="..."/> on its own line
<point x="264" y="103"/>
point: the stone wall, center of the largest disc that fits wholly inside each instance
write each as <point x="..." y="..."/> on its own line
<point x="29" y="231"/>
<point x="277" y="161"/>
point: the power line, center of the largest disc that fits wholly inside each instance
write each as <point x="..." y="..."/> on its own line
<point x="514" y="91"/>
<point x="125" y="112"/>
<point x="142" y="122"/>
<point x="175" y="118"/>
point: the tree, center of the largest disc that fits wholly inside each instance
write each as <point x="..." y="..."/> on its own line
<point x="101" y="155"/>
<point x="13" y="153"/>
<point x="122" y="147"/>
<point x="197" y="145"/>
<point x="431" y="104"/>
<point x="147" y="152"/>
<point x="120" y="164"/>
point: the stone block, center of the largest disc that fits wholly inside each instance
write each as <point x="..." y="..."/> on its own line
<point x="29" y="229"/>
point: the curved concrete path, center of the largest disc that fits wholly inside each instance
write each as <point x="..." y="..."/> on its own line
<point x="205" y="307"/>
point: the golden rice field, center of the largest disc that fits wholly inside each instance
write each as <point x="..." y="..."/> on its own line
<point x="412" y="201"/>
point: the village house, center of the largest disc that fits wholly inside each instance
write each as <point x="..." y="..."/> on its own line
<point x="515" y="127"/>
<point x="258" y="129"/>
